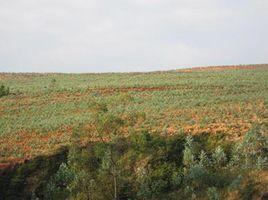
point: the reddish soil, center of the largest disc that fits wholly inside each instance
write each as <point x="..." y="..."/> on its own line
<point x="225" y="67"/>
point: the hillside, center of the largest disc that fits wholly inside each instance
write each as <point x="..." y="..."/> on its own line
<point x="42" y="111"/>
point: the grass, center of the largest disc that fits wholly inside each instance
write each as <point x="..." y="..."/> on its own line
<point x="39" y="114"/>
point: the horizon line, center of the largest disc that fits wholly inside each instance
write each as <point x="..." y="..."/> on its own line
<point x="144" y="71"/>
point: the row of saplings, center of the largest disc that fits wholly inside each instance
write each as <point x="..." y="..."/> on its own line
<point x="156" y="166"/>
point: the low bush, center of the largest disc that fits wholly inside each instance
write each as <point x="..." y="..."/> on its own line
<point x="4" y="91"/>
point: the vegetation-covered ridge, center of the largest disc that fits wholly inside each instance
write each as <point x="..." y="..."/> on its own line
<point x="223" y="109"/>
<point x="40" y="110"/>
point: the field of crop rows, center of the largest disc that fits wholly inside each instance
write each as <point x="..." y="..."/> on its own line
<point x="39" y="114"/>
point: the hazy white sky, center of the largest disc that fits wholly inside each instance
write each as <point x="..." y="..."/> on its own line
<point x="130" y="35"/>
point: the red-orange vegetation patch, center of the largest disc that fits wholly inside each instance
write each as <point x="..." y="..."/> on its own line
<point x="235" y="131"/>
<point x="10" y="162"/>
<point x="225" y="67"/>
<point x="261" y="178"/>
<point x="4" y="165"/>
<point x="226" y="118"/>
<point x="58" y="97"/>
<point x="111" y="90"/>
<point x="25" y="101"/>
<point x="1" y="109"/>
<point x="25" y="145"/>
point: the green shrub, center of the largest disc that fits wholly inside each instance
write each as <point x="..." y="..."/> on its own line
<point x="251" y="153"/>
<point x="188" y="157"/>
<point x="4" y="91"/>
<point x="219" y="157"/>
<point x="197" y="175"/>
<point x="204" y="160"/>
<point x="213" y="194"/>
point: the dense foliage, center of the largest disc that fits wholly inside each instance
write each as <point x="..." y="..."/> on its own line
<point x="146" y="166"/>
<point x="155" y="166"/>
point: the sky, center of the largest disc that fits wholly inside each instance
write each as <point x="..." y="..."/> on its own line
<point x="130" y="35"/>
